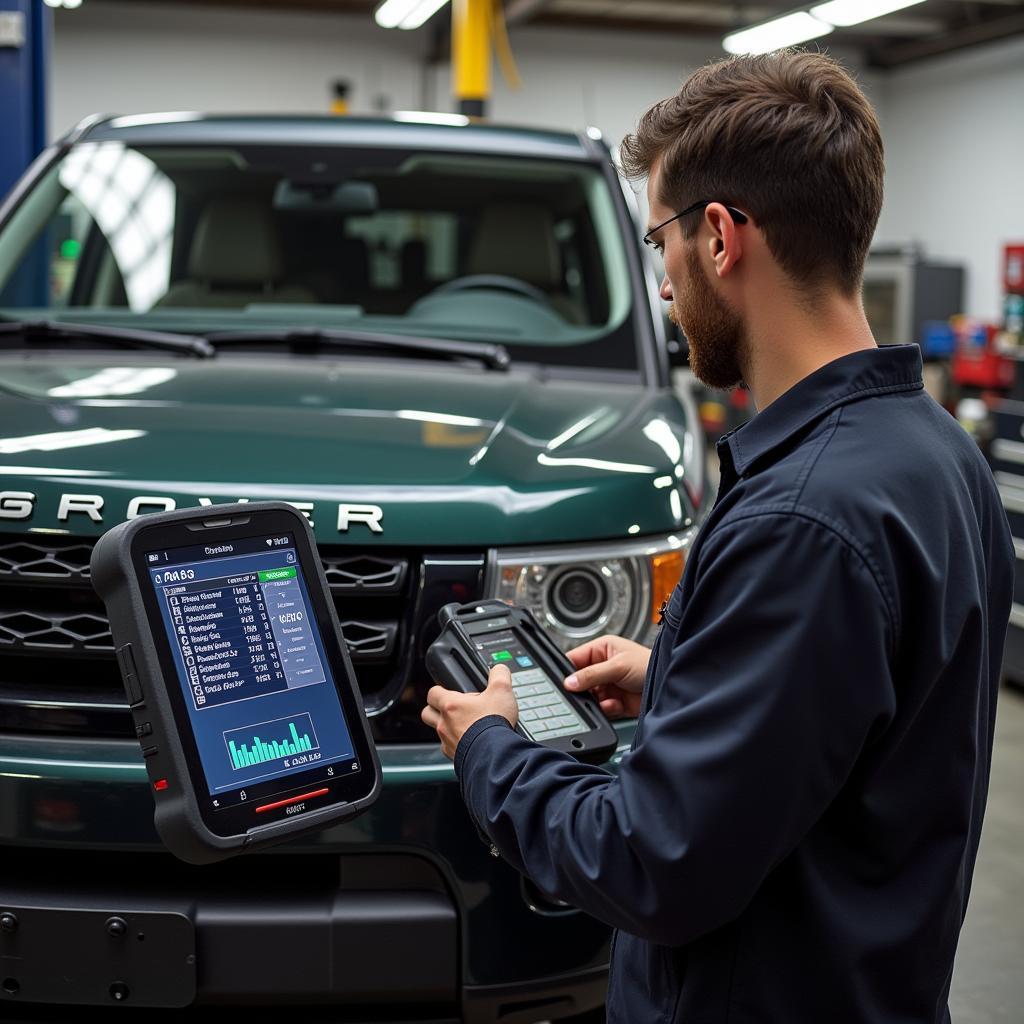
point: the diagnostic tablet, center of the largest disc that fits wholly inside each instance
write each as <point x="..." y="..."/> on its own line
<point x="239" y="682"/>
<point x="476" y="637"/>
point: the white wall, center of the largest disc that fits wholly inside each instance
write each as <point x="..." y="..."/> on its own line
<point x="578" y="77"/>
<point x="954" y="134"/>
<point x="138" y="57"/>
<point x="133" y="58"/>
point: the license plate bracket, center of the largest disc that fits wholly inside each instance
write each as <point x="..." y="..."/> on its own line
<point x="97" y="957"/>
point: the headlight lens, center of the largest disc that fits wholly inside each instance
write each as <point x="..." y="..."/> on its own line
<point x="579" y="593"/>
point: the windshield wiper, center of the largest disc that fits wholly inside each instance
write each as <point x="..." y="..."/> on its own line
<point x="313" y="339"/>
<point x="48" y="330"/>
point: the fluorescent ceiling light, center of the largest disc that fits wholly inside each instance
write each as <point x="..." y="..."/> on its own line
<point x="853" y="12"/>
<point x="406" y="14"/>
<point x="774" y="34"/>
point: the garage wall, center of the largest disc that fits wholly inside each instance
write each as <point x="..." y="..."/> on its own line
<point x="141" y="56"/>
<point x="583" y="77"/>
<point x="132" y="58"/>
<point x="954" y="133"/>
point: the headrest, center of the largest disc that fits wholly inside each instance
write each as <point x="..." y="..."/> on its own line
<point x="517" y="240"/>
<point x="235" y="242"/>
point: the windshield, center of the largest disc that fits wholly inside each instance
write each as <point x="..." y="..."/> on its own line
<point x="524" y="252"/>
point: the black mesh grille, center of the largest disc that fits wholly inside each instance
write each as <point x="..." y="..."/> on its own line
<point x="365" y="573"/>
<point x="56" y="647"/>
<point x="54" y="559"/>
<point x="81" y="631"/>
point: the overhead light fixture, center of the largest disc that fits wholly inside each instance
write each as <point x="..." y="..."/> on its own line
<point x="407" y="14"/>
<point x="69" y="4"/>
<point x="777" y="33"/>
<point x="853" y="12"/>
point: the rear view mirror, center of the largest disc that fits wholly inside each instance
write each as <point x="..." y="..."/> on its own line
<point x="343" y="197"/>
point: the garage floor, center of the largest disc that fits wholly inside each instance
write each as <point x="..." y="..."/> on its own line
<point x="988" y="980"/>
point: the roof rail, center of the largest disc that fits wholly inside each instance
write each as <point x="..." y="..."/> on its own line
<point x="85" y="126"/>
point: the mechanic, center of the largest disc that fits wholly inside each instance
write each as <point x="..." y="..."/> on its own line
<point x="792" y="836"/>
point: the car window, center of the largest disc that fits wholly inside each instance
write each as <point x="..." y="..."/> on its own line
<point x="525" y="252"/>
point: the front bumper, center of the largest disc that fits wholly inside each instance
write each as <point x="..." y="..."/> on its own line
<point x="400" y="912"/>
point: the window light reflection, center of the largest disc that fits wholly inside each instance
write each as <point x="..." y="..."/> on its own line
<point x="114" y="380"/>
<point x="62" y="439"/>
<point x="614" y="467"/>
<point x="132" y="203"/>
<point x="661" y="434"/>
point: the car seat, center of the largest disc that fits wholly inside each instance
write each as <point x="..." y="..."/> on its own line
<point x="518" y="240"/>
<point x="234" y="259"/>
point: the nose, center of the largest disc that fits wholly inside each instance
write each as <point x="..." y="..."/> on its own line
<point x="666" y="289"/>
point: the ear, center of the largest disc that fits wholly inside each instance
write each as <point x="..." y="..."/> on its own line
<point x="724" y="245"/>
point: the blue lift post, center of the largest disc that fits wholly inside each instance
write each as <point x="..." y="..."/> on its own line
<point x="23" y="90"/>
<point x="24" y="54"/>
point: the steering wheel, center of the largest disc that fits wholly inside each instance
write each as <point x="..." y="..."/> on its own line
<point x="500" y="281"/>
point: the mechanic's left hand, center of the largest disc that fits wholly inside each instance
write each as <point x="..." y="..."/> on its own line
<point x="451" y="713"/>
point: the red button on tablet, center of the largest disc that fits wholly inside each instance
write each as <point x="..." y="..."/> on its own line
<point x="292" y="800"/>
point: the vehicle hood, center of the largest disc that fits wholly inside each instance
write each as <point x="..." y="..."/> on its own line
<point x="451" y="456"/>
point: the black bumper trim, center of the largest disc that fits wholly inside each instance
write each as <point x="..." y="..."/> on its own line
<point x="375" y="948"/>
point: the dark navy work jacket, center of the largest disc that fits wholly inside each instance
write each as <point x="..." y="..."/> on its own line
<point x="792" y="836"/>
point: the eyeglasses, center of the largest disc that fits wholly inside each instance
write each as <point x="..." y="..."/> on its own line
<point x="737" y="215"/>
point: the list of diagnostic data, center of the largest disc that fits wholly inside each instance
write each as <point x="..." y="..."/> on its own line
<point x="244" y="635"/>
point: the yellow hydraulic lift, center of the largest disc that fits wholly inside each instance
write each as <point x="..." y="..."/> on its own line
<point x="477" y="26"/>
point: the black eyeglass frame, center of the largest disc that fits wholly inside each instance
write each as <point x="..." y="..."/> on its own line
<point x="737" y="215"/>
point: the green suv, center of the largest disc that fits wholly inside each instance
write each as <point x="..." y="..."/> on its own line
<point x="440" y="342"/>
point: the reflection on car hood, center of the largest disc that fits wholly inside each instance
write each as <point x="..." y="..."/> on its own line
<point x="452" y="457"/>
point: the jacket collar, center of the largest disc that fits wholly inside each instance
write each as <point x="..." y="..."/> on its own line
<point x="872" y="371"/>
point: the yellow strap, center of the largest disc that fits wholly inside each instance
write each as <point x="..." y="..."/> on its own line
<point x="500" y="33"/>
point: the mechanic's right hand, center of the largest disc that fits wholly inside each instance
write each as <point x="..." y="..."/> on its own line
<point x="613" y="669"/>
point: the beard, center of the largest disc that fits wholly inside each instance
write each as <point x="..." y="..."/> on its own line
<point x="716" y="333"/>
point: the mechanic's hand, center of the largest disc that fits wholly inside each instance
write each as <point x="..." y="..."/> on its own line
<point x="451" y="713"/>
<point x="613" y="669"/>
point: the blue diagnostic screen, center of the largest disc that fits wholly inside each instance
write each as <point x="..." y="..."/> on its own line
<point x="251" y="663"/>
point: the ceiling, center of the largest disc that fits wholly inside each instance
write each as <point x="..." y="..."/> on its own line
<point x="924" y="30"/>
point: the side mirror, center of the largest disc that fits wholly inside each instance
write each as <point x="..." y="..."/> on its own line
<point x="677" y="345"/>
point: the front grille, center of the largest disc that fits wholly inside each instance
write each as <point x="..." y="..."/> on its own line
<point x="57" y="666"/>
<point x="365" y="574"/>
<point x="76" y="631"/>
<point x="25" y="560"/>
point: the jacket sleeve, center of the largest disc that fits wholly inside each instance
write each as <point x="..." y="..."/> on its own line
<point x="775" y="679"/>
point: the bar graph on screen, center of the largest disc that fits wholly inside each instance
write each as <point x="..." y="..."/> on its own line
<point x="271" y="741"/>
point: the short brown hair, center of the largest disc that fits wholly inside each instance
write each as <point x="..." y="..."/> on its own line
<point x="788" y="137"/>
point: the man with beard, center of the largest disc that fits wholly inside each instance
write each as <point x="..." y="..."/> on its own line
<point x="791" y="837"/>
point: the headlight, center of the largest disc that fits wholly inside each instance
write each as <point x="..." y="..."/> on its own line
<point x="581" y="592"/>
